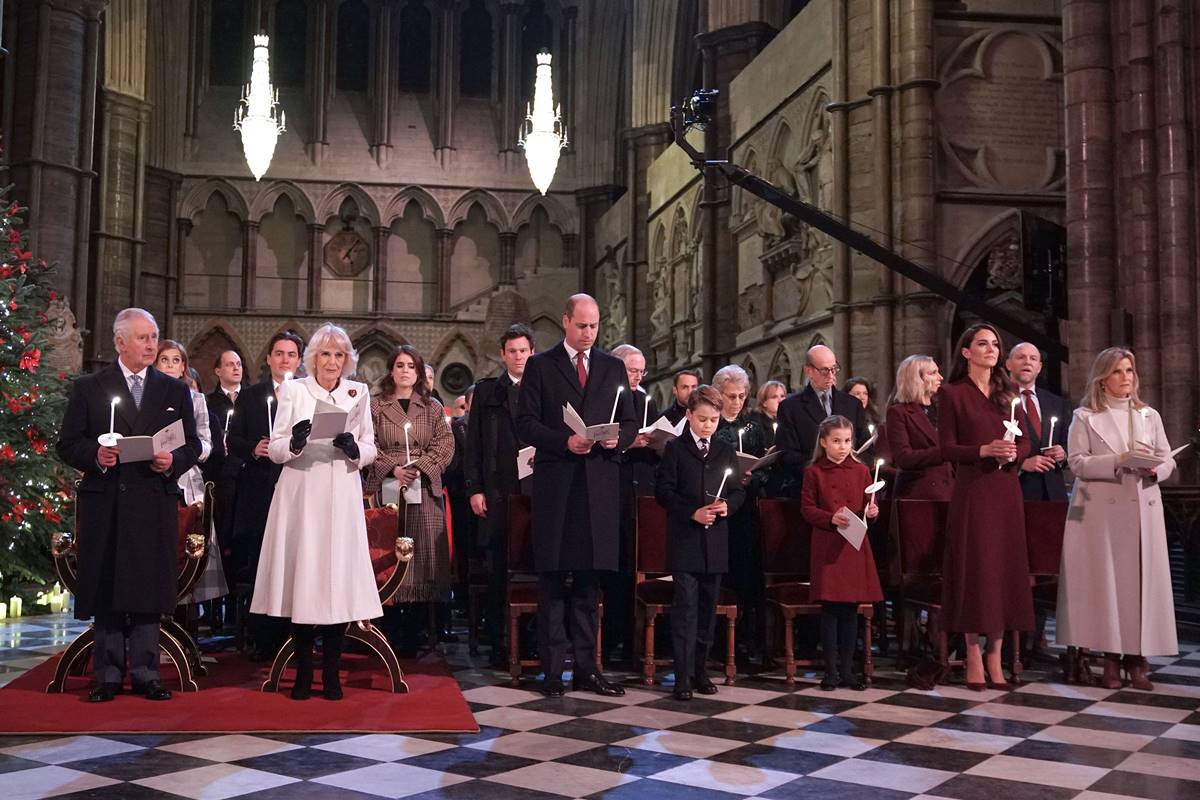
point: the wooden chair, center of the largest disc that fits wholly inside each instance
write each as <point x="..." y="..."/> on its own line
<point x="391" y="554"/>
<point x="1045" y="523"/>
<point x="786" y="542"/>
<point x="194" y="522"/>
<point x="521" y="590"/>
<point x="918" y="529"/>
<point x="653" y="597"/>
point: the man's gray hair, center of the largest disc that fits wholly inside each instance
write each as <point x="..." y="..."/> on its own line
<point x="124" y="321"/>
<point x="622" y="350"/>
<point x="325" y="335"/>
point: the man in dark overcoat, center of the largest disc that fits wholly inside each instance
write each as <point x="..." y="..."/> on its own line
<point x="1042" y="473"/>
<point x="128" y="533"/>
<point x="222" y="467"/>
<point x="801" y="413"/>
<point x="490" y="470"/>
<point x="576" y="490"/>
<point x="248" y="437"/>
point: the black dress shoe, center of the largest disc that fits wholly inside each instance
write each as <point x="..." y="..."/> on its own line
<point x="854" y="682"/>
<point x="704" y="685"/>
<point x="829" y="683"/>
<point x="152" y="690"/>
<point x="597" y="684"/>
<point x="104" y="692"/>
<point x="683" y="690"/>
<point x="553" y="687"/>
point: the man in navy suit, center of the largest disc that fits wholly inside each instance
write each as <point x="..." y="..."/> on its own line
<point x="801" y="413"/>
<point x="1042" y="472"/>
<point x="576" y="490"/>
<point x="128" y="534"/>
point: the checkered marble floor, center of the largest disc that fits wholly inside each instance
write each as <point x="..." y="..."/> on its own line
<point x="758" y="739"/>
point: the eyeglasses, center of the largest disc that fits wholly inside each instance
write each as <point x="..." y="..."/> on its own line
<point x="635" y="371"/>
<point x="826" y="371"/>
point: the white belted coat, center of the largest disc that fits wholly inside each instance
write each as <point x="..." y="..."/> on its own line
<point x="1114" y="589"/>
<point x="315" y="565"/>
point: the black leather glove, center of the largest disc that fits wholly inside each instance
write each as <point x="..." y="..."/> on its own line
<point x="345" y="442"/>
<point x="300" y="433"/>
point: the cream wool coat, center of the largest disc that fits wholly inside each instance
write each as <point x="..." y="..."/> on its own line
<point x="315" y="565"/>
<point x="1114" y="589"/>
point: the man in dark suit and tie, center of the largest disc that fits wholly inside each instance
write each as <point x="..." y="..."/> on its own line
<point x="576" y="490"/>
<point x="1042" y="472"/>
<point x="490" y="471"/>
<point x="801" y="413"/>
<point x="222" y="467"/>
<point x="129" y="530"/>
<point x="685" y="381"/>
<point x="248" y="437"/>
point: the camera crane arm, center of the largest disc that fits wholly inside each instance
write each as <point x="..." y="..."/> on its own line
<point x="698" y="112"/>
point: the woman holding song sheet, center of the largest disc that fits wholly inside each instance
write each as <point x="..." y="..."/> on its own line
<point x="985" y="568"/>
<point x="1114" y="588"/>
<point x="315" y="566"/>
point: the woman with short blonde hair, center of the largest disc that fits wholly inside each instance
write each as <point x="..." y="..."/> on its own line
<point x="1114" y="587"/>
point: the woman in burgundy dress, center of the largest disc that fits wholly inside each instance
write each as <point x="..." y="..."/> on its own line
<point x="912" y="433"/>
<point x="985" y="573"/>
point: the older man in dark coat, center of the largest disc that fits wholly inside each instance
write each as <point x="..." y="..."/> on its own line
<point x="128" y="511"/>
<point x="576" y="490"/>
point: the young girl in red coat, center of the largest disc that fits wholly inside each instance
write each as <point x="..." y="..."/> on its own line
<point x="842" y="577"/>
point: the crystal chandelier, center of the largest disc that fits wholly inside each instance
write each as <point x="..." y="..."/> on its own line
<point x="542" y="134"/>
<point x="255" y="116"/>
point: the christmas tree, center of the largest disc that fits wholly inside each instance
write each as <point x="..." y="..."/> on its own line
<point x="35" y="494"/>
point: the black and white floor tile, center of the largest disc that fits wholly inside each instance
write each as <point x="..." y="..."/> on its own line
<point x="759" y="739"/>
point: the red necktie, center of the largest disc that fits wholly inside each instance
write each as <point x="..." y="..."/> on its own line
<point x="580" y="371"/>
<point x="1031" y="411"/>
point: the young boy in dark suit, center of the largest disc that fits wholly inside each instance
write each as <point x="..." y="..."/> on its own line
<point x="698" y="483"/>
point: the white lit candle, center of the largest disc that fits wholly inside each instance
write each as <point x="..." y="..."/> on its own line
<point x="14" y="606"/>
<point x="407" y="456"/>
<point x="878" y="464"/>
<point x="775" y="428"/>
<point x="270" y="423"/>
<point x="112" y="416"/>
<point x="1012" y="417"/>
<point x="646" y="412"/>
<point x="725" y="477"/>
<point x="616" y="400"/>
<point x="740" y="432"/>
<point x="870" y="429"/>
<point x="3" y="610"/>
<point x="1053" y="420"/>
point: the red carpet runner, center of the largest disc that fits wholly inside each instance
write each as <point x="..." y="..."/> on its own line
<point x="229" y="702"/>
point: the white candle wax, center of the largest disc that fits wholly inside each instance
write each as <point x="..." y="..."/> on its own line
<point x="270" y="424"/>
<point x="724" y="478"/>
<point x="740" y="432"/>
<point x="617" y="399"/>
<point x="1012" y="417"/>
<point x="3" y="610"/>
<point x="407" y="456"/>
<point x="878" y="464"/>
<point x="775" y="428"/>
<point x="14" y="606"/>
<point x="646" y="412"/>
<point x="112" y="415"/>
<point x="1053" y="421"/>
<point x="870" y="428"/>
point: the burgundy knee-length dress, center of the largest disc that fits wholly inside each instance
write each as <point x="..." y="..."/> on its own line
<point x="985" y="571"/>
<point x="838" y="572"/>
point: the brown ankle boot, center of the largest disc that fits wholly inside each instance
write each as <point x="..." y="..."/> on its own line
<point x="1111" y="679"/>
<point x="1137" y="668"/>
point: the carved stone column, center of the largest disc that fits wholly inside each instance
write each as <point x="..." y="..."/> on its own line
<point x="379" y="304"/>
<point x="508" y="259"/>
<point x="249" y="262"/>
<point x="447" y="79"/>
<point x="510" y="74"/>
<point x="1091" y="247"/>
<point x="319" y="48"/>
<point x="590" y="205"/>
<point x="642" y="146"/>
<point x="316" y="261"/>
<point x="881" y="145"/>
<point x="53" y="63"/>
<point x="381" y="83"/>
<point x="445" y="245"/>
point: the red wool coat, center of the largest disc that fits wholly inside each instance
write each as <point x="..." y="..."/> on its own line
<point x="840" y="574"/>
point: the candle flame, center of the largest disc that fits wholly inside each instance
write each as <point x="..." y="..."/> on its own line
<point x="287" y="376"/>
<point x="407" y="425"/>
<point x="879" y="462"/>
<point x="1015" y="402"/>
<point x="870" y="428"/>
<point x="1053" y="419"/>
<point x="728" y="471"/>
<point x="116" y="401"/>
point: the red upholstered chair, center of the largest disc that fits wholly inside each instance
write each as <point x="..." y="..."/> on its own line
<point x="786" y="544"/>
<point x="653" y="597"/>
<point x="1045" y="522"/>
<point x="521" y="592"/>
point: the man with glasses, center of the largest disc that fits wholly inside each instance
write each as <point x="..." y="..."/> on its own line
<point x="801" y="413"/>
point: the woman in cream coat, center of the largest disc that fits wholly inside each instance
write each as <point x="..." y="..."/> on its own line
<point x="1114" y="590"/>
<point x="315" y="565"/>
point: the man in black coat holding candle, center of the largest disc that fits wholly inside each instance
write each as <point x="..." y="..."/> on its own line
<point x="128" y="511"/>
<point x="576" y="490"/>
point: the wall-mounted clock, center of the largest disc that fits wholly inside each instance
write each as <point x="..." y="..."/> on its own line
<point x="347" y="254"/>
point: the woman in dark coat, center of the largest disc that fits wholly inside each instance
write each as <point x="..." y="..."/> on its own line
<point x="912" y="434"/>
<point x="687" y="482"/>
<point x="985" y="572"/>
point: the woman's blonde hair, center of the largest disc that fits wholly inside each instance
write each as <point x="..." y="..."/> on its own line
<point x="910" y="384"/>
<point x="326" y="334"/>
<point x="834" y="422"/>
<point x="1102" y="367"/>
<point x="765" y="389"/>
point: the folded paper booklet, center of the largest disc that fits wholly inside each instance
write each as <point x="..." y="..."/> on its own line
<point x="328" y="421"/>
<point x="525" y="462"/>
<point x="749" y="463"/>
<point x="855" y="531"/>
<point x="863" y="447"/>
<point x="593" y="433"/>
<point x="1143" y="459"/>
<point x="143" y="448"/>
<point x="662" y="431"/>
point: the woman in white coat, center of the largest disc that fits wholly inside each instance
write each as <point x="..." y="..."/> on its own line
<point x="315" y="565"/>
<point x="1114" y="590"/>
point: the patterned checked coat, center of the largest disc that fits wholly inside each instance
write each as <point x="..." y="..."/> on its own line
<point x="431" y="446"/>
